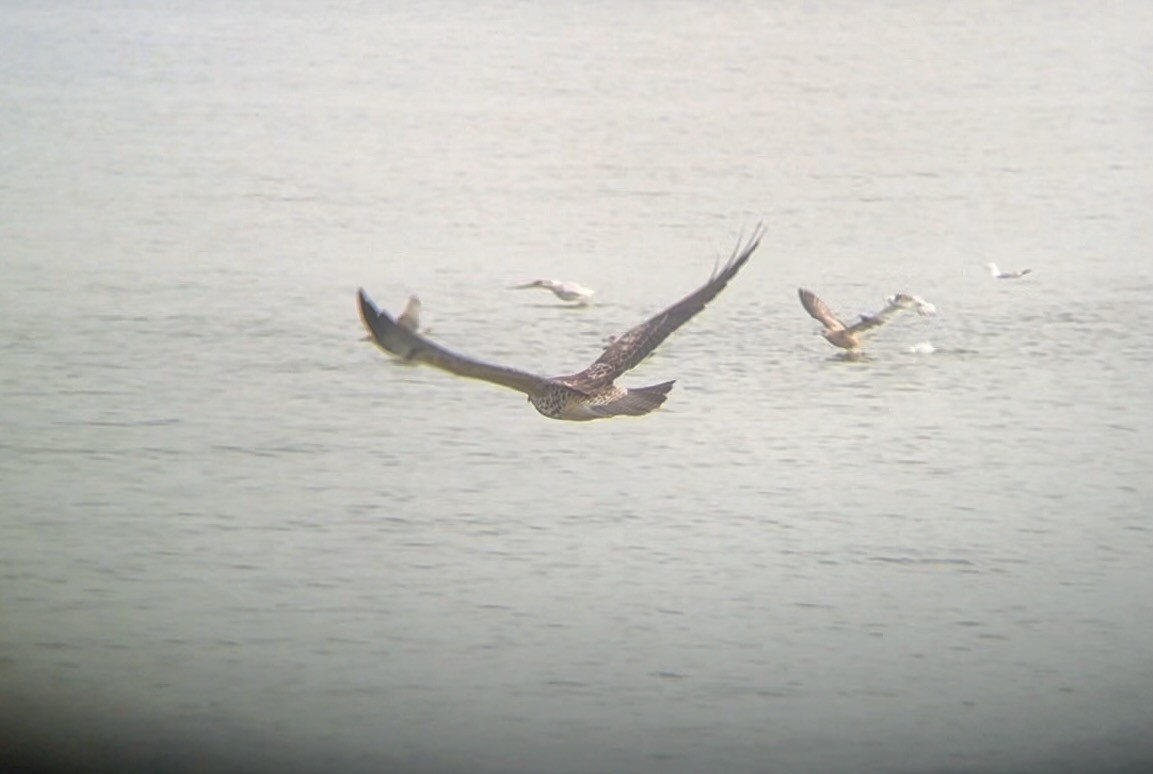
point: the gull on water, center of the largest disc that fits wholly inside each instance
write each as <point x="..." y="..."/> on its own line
<point x="588" y="394"/>
<point x="410" y="318"/>
<point x="998" y="274"/>
<point x="847" y="336"/>
<point x="565" y="291"/>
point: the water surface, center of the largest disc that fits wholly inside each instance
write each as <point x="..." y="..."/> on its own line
<point x="233" y="534"/>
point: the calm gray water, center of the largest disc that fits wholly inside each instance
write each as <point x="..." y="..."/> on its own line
<point x="234" y="535"/>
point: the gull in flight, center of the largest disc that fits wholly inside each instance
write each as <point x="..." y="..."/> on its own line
<point x="905" y="301"/>
<point x="847" y="336"/>
<point x="998" y="274"/>
<point x="588" y="394"/>
<point x="565" y="291"/>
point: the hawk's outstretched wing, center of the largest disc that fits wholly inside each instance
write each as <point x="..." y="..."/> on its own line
<point x="630" y="348"/>
<point x="410" y="345"/>
<point x="819" y="311"/>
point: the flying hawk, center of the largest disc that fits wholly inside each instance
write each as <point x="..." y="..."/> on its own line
<point x="588" y="394"/>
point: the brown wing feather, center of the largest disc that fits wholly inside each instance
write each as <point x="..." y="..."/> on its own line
<point x="630" y="348"/>
<point x="819" y="311"/>
<point x="410" y="345"/>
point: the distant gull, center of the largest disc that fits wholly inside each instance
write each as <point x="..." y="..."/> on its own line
<point x="998" y="274"/>
<point x="410" y="318"/>
<point x="846" y="336"/>
<point x="589" y="394"/>
<point x="565" y="291"/>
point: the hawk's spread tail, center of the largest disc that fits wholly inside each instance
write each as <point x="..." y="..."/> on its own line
<point x="637" y="401"/>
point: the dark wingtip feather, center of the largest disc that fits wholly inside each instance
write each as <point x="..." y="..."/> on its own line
<point x="743" y="250"/>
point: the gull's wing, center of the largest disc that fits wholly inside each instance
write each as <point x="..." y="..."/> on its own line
<point x="392" y="337"/>
<point x="819" y="311"/>
<point x="630" y="348"/>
